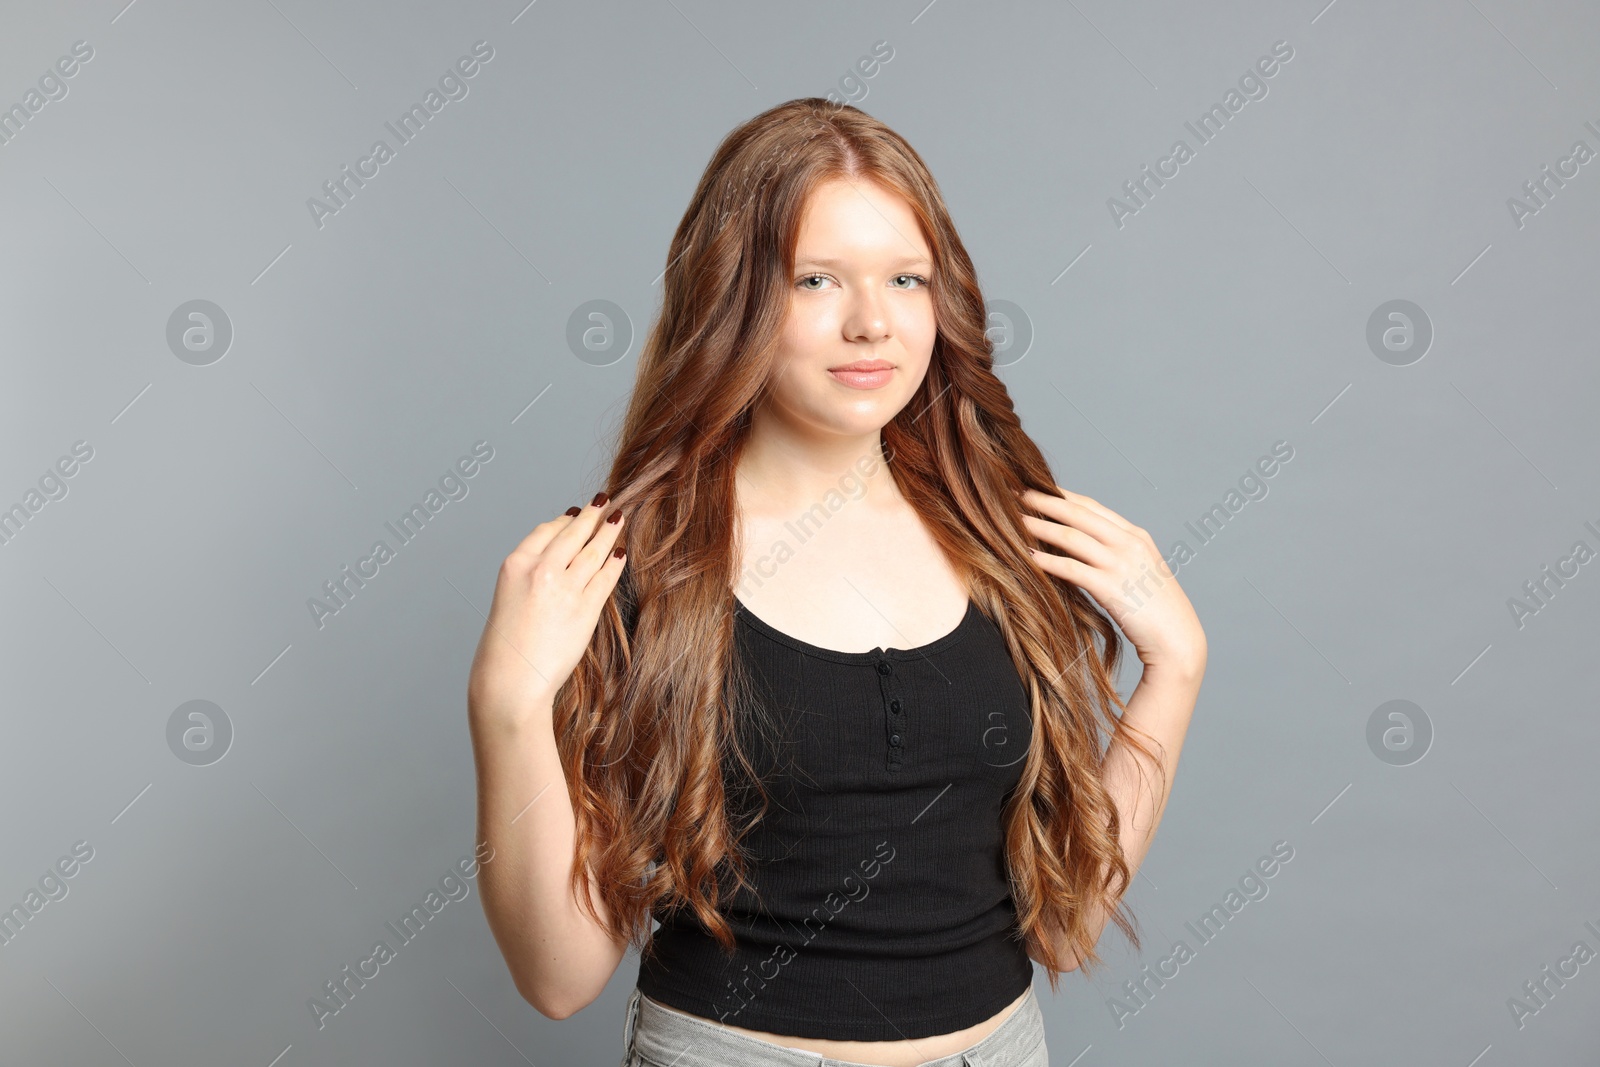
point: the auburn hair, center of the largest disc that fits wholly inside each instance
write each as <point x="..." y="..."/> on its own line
<point x="648" y="723"/>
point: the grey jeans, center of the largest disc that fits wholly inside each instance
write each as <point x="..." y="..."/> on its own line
<point x="655" y="1035"/>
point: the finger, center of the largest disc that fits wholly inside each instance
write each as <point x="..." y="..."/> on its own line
<point x="1072" y="513"/>
<point x="1093" y="505"/>
<point x="567" y="542"/>
<point x="542" y="534"/>
<point x="1092" y="580"/>
<point x="605" y="579"/>
<point x="1074" y="542"/>
<point x="592" y="556"/>
<point x="1065" y="567"/>
<point x="1098" y="508"/>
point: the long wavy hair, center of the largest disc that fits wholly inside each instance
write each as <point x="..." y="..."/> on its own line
<point x="647" y="725"/>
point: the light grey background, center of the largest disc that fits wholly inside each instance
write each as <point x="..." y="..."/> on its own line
<point x="433" y="311"/>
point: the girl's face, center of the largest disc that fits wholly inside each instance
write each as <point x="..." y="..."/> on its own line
<point x="860" y="327"/>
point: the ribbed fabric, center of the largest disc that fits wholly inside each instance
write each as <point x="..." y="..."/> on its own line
<point x="882" y="909"/>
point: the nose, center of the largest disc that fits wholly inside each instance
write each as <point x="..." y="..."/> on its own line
<point x="867" y="321"/>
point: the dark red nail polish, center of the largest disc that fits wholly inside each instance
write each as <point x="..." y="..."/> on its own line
<point x="574" y="510"/>
<point x="599" y="498"/>
<point x="615" y="516"/>
<point x="619" y="552"/>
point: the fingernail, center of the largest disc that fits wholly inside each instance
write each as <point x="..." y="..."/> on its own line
<point x="619" y="552"/>
<point x="599" y="498"/>
<point x="574" y="510"/>
<point x="615" y="516"/>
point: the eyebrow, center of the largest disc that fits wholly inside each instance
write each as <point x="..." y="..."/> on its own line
<point x="903" y="261"/>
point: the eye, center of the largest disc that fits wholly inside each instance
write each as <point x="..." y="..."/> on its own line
<point x="919" y="279"/>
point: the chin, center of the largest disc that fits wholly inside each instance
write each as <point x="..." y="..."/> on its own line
<point x="862" y="420"/>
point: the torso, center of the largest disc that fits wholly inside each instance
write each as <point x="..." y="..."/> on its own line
<point x="864" y="579"/>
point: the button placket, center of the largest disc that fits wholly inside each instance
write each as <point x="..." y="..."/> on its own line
<point x="894" y="714"/>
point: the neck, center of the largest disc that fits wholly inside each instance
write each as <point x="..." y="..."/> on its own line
<point x="783" y="472"/>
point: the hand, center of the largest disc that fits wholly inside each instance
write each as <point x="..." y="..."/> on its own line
<point x="1119" y="565"/>
<point x="547" y="603"/>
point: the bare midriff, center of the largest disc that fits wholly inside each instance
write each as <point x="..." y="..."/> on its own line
<point x="904" y="1053"/>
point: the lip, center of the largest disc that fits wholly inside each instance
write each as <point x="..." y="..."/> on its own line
<point x="864" y="374"/>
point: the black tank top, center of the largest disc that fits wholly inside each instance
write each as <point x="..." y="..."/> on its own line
<point x="882" y="909"/>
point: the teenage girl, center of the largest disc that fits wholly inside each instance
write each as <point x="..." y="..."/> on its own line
<point x="841" y="718"/>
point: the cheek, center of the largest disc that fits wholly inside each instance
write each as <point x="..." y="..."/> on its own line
<point x="917" y="334"/>
<point x="803" y="344"/>
<point x="806" y="327"/>
<point x="794" y="358"/>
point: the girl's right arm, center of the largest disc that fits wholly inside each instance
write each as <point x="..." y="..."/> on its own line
<point x="547" y="603"/>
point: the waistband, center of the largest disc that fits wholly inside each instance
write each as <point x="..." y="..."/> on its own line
<point x="664" y="1035"/>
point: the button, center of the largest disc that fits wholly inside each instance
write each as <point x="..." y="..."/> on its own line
<point x="894" y="706"/>
<point x="883" y="668"/>
<point x="894" y="739"/>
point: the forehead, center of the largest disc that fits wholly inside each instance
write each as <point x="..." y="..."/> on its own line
<point x="859" y="220"/>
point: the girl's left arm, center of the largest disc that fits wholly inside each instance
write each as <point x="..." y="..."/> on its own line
<point x="1119" y="565"/>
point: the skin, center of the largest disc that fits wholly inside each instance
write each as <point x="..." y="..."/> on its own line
<point x="869" y="575"/>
